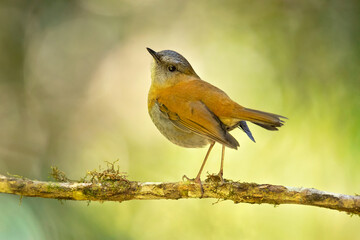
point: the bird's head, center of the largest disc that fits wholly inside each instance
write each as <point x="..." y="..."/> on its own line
<point x="170" y="67"/>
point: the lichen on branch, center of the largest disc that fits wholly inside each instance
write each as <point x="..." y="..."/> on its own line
<point x="112" y="185"/>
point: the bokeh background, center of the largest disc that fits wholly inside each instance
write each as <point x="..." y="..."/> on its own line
<point x="74" y="77"/>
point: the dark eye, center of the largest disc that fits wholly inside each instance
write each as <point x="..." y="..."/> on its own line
<point x="171" y="68"/>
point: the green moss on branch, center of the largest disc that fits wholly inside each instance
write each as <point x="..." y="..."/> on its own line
<point x="112" y="185"/>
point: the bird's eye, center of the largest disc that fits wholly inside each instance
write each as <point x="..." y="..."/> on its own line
<point x="171" y="68"/>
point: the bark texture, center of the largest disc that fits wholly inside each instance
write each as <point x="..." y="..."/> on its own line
<point x="121" y="189"/>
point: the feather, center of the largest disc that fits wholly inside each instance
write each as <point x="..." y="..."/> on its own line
<point x="243" y="125"/>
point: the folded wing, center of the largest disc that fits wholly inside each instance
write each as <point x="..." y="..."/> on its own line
<point x="194" y="116"/>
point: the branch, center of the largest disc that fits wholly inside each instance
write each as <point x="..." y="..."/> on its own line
<point x="121" y="189"/>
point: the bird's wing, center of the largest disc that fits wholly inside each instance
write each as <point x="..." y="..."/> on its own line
<point x="195" y="117"/>
<point x="229" y="112"/>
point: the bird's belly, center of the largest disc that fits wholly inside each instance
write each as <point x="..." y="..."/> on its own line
<point x="173" y="133"/>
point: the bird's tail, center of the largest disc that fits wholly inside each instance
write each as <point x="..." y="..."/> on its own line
<point x="266" y="120"/>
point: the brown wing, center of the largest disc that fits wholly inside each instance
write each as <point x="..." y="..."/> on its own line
<point x="194" y="116"/>
<point x="229" y="112"/>
<point x="215" y="100"/>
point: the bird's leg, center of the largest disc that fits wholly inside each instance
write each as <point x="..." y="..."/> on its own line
<point x="221" y="172"/>
<point x="197" y="179"/>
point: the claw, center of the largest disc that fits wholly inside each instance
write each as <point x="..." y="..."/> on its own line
<point x="185" y="177"/>
<point x="196" y="180"/>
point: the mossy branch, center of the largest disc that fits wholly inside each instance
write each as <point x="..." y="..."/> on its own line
<point x="123" y="190"/>
<point x="111" y="185"/>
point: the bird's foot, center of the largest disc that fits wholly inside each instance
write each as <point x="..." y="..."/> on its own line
<point x="220" y="175"/>
<point x="195" y="180"/>
<point x="187" y="179"/>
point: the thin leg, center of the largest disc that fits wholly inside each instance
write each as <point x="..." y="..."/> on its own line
<point x="221" y="172"/>
<point x="197" y="179"/>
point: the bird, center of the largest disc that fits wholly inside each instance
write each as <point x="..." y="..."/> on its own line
<point x="193" y="113"/>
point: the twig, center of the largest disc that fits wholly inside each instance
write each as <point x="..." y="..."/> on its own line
<point x="123" y="190"/>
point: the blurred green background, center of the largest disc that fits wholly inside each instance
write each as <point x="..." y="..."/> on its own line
<point x="74" y="77"/>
